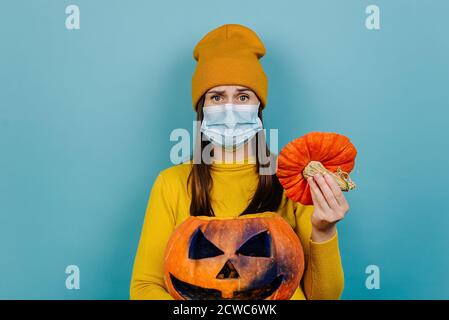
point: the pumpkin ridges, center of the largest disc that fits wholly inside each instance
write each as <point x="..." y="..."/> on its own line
<point x="342" y="153"/>
<point x="291" y="181"/>
<point x="329" y="143"/>
<point x="170" y="248"/>
<point x="284" y="229"/>
<point x="300" y="147"/>
<point x="298" y="192"/>
<point x="347" y="166"/>
<point x="313" y="141"/>
<point x="286" y="161"/>
<point x="334" y="151"/>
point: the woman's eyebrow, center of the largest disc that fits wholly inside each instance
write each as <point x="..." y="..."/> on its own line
<point x="243" y="89"/>
<point x="216" y="91"/>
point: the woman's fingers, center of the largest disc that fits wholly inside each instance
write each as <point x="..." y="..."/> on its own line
<point x="328" y="210"/>
<point x="328" y="194"/>
<point x="337" y="192"/>
<point x="317" y="196"/>
<point x="312" y="193"/>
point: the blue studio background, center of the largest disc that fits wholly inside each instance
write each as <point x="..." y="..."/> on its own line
<point x="85" y="119"/>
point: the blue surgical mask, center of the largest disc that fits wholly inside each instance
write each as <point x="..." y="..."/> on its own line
<point x="231" y="125"/>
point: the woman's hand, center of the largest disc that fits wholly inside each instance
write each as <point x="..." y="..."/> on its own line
<point x="330" y="206"/>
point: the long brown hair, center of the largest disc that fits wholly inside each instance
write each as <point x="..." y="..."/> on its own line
<point x="268" y="195"/>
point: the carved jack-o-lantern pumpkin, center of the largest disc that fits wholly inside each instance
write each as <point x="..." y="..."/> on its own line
<point x="247" y="257"/>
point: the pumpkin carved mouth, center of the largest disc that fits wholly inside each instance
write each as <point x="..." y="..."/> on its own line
<point x="194" y="292"/>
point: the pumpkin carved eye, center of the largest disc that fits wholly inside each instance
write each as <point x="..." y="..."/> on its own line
<point x="201" y="247"/>
<point x="257" y="246"/>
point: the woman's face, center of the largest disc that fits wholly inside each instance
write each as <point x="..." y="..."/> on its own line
<point x="230" y="94"/>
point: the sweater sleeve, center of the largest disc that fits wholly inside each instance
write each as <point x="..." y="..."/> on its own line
<point x="323" y="277"/>
<point x="147" y="282"/>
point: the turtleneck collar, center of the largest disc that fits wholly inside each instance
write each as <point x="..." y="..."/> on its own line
<point x="246" y="163"/>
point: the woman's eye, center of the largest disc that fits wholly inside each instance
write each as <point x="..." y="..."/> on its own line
<point x="243" y="98"/>
<point x="216" y="98"/>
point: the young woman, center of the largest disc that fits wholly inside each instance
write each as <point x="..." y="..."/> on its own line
<point x="229" y="90"/>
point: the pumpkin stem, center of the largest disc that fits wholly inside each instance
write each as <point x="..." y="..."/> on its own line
<point x="341" y="177"/>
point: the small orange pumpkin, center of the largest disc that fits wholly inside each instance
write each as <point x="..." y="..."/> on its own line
<point x="312" y="153"/>
<point x="243" y="258"/>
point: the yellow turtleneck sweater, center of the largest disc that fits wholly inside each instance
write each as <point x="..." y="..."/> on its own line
<point x="233" y="186"/>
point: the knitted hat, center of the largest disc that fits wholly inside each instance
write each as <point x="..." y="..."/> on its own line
<point x="229" y="55"/>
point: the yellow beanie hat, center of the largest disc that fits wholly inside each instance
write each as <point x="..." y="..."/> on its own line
<point x="229" y="55"/>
